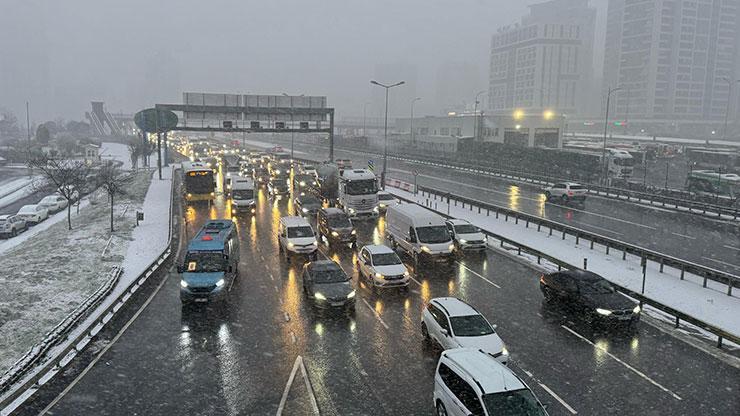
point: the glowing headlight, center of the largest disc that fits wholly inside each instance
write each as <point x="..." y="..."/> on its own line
<point x="378" y="276"/>
<point x="183" y="283"/>
<point x="382" y="205"/>
<point x="190" y="195"/>
<point x="213" y="194"/>
<point x="451" y="247"/>
<point x="335" y="234"/>
<point x="304" y="210"/>
<point x="302" y="183"/>
<point x="406" y="273"/>
<point x="291" y="245"/>
<point x="637" y="309"/>
<point x="376" y="209"/>
<point x="351" y="210"/>
<point x="277" y="172"/>
<point x="351" y="294"/>
<point x="425" y="248"/>
<point x="319" y="295"/>
<point x="504" y="351"/>
<point x="605" y="312"/>
<point x="228" y="174"/>
<point x="463" y="241"/>
<point x="354" y="232"/>
<point x="220" y="283"/>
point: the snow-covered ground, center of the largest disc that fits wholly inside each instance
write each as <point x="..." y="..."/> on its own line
<point x="711" y="304"/>
<point x="17" y="189"/>
<point x="116" y="151"/>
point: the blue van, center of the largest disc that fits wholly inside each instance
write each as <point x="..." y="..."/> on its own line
<point x="211" y="263"/>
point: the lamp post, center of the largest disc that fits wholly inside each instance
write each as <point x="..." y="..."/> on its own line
<point x="411" y="124"/>
<point x="385" y="128"/>
<point x="606" y="126"/>
<point x="730" y="84"/>
<point x="476" y="121"/>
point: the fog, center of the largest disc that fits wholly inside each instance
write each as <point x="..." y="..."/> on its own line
<point x="132" y="54"/>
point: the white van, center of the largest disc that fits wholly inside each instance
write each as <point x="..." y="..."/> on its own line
<point x="419" y="232"/>
<point x="295" y="236"/>
<point x="242" y="194"/>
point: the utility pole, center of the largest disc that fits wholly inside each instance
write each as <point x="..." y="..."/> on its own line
<point x="411" y="124"/>
<point x="606" y="126"/>
<point x="385" y="128"/>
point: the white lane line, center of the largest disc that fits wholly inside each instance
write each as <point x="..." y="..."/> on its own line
<point x="377" y="315"/>
<point x="417" y="282"/>
<point x="684" y="236"/>
<point x="721" y="262"/>
<point x="636" y="371"/>
<point x="477" y="274"/>
<point x="286" y="316"/>
<point x="597" y="227"/>
<point x="731" y="247"/>
<point x="293" y="339"/>
<point x="556" y="397"/>
<point x="298" y="365"/>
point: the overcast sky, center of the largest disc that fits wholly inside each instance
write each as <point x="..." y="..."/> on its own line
<point x="60" y="55"/>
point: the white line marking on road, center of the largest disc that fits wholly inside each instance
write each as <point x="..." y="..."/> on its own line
<point x="271" y="276"/>
<point x="731" y="247"/>
<point x="377" y="315"/>
<point x="417" y="282"/>
<point x="721" y="262"/>
<point x="477" y="274"/>
<point x="554" y="395"/>
<point x="287" y="317"/>
<point x="636" y="371"/>
<point x="684" y="236"/>
<point x="298" y="364"/>
<point x="276" y="289"/>
<point x="293" y="339"/>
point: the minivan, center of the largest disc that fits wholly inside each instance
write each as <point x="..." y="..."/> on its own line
<point x="242" y="195"/>
<point x="419" y="232"/>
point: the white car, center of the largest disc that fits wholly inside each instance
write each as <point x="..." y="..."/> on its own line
<point x="468" y="382"/>
<point x="452" y="323"/>
<point x="309" y="170"/>
<point x="385" y="200"/>
<point x="54" y="203"/>
<point x="33" y="214"/>
<point x="566" y="191"/>
<point x="466" y="236"/>
<point x="295" y="236"/>
<point x="380" y="266"/>
<point x="11" y="225"/>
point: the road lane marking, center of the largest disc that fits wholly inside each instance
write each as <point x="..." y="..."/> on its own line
<point x="417" y="282"/>
<point x="721" y="262"/>
<point x="377" y="315"/>
<point x="556" y="397"/>
<point x="296" y="366"/>
<point x="287" y="317"/>
<point x="684" y="236"/>
<point x="633" y="369"/>
<point x="477" y="274"/>
<point x="293" y="339"/>
<point x="731" y="247"/>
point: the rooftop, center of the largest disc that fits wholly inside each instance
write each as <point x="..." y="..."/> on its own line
<point x="490" y="375"/>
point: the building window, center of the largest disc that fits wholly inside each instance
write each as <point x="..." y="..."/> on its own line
<point x="444" y="131"/>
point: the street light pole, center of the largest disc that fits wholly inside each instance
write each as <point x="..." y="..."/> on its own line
<point x="411" y="124"/>
<point x="385" y="128"/>
<point x="730" y="84"/>
<point x="606" y="126"/>
<point x="475" y="116"/>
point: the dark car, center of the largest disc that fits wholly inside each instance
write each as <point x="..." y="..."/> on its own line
<point x="261" y="176"/>
<point x="326" y="284"/>
<point x="335" y="225"/>
<point x="589" y="294"/>
<point x="278" y="186"/>
<point x="307" y="205"/>
<point x="302" y="183"/>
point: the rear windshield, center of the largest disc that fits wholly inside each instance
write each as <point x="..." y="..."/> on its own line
<point x="577" y="187"/>
<point x="513" y="403"/>
<point x="300" y="232"/>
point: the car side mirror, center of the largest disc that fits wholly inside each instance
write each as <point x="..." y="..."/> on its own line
<point x="180" y="268"/>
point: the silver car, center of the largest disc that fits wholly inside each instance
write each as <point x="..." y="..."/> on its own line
<point x="11" y="225"/>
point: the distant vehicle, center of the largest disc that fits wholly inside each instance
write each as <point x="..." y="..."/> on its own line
<point x="199" y="181"/>
<point x="295" y="236"/>
<point x="379" y="266"/>
<point x="54" y="202"/>
<point x="261" y="176"/>
<point x="307" y="205"/>
<point x="335" y="226"/>
<point x="278" y="187"/>
<point x="466" y="236"/>
<point x="708" y="183"/>
<point x="566" y="192"/>
<point x="11" y="225"/>
<point x="303" y="184"/>
<point x="419" y="232"/>
<point x="726" y="161"/>
<point x="242" y="195"/>
<point x="619" y="162"/>
<point x="589" y="295"/>
<point x="309" y="170"/>
<point x="33" y="214"/>
<point x="385" y="200"/>
<point x="327" y="285"/>
<point x="452" y="323"/>
<point x="211" y="263"/>
<point x="469" y="382"/>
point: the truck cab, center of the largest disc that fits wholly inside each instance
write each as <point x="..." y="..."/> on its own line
<point x="358" y="193"/>
<point x="242" y="195"/>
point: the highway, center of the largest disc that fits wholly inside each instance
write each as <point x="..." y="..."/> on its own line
<point x="237" y="360"/>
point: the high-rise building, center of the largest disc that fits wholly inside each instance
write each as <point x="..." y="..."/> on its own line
<point x="546" y="61"/>
<point x="672" y="59"/>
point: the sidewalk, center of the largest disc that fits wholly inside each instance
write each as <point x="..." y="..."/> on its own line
<point x="711" y="304"/>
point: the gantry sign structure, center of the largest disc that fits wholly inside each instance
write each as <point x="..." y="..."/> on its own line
<point x="208" y="112"/>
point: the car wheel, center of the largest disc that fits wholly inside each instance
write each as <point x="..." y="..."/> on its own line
<point x="424" y="332"/>
<point x="441" y="411"/>
<point x="564" y="198"/>
<point x="13" y="233"/>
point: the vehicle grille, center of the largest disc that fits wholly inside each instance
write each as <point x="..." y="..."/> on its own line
<point x="202" y="289"/>
<point x="398" y="277"/>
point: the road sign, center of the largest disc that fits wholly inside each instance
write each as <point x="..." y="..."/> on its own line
<point x="371" y="164"/>
<point x="152" y="120"/>
<point x="415" y="172"/>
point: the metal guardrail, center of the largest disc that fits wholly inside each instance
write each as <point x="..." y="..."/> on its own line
<point x="27" y="374"/>
<point x="720" y="333"/>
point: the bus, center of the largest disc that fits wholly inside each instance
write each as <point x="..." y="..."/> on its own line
<point x="710" y="183"/>
<point x="714" y="159"/>
<point x="619" y="163"/>
<point x="199" y="181"/>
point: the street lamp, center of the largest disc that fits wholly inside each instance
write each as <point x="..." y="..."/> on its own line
<point x="475" y="115"/>
<point x="730" y="84"/>
<point x="385" y="128"/>
<point x="411" y="124"/>
<point x="606" y="126"/>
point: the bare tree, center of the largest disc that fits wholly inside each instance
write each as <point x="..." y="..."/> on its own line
<point x="67" y="176"/>
<point x="112" y="182"/>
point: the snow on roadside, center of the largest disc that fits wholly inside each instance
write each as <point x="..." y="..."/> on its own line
<point x="116" y="151"/>
<point x="22" y="190"/>
<point x="13" y="185"/>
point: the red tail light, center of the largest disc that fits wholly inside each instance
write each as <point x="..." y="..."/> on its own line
<point x="570" y="193"/>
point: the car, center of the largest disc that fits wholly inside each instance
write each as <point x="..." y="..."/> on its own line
<point x="566" y="192"/>
<point x="468" y="382"/>
<point x="379" y="266"/>
<point x="385" y="200"/>
<point x="327" y="285"/>
<point x="334" y="226"/>
<point x="11" y="225"/>
<point x="452" y="323"/>
<point x="303" y="183"/>
<point x="307" y="204"/>
<point x="466" y="236"/>
<point x="33" y="214"/>
<point x="309" y="170"/>
<point x="261" y="176"/>
<point x="54" y="203"/>
<point x="589" y="295"/>
<point x="296" y="236"/>
<point x="277" y="187"/>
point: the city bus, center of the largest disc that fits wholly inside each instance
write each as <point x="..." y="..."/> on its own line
<point x="710" y="183"/>
<point x="199" y="182"/>
<point x="714" y="159"/>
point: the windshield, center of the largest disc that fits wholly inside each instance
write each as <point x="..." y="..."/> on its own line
<point x="205" y="261"/>
<point x="385" y="197"/>
<point x="243" y="194"/>
<point x="466" y="229"/>
<point x="470" y="326"/>
<point x="330" y="276"/>
<point x="513" y="403"/>
<point x="624" y="162"/>
<point x="596" y="286"/>
<point x="338" y="221"/>
<point x="386" y="259"/>
<point x="433" y="235"/>
<point x="362" y="187"/>
<point x="279" y="184"/>
<point x="300" y="232"/>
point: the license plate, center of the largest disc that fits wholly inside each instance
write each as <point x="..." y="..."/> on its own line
<point x="337" y="303"/>
<point x="624" y="318"/>
<point x="201" y="299"/>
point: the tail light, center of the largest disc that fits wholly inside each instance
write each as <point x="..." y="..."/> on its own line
<point x="570" y="193"/>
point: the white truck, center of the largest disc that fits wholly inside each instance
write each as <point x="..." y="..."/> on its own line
<point x="242" y="195"/>
<point x="353" y="190"/>
<point x="419" y="232"/>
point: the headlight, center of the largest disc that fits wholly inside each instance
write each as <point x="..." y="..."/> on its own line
<point x="183" y="283"/>
<point x="378" y="276"/>
<point x="190" y="195"/>
<point x="302" y="183"/>
<point x="451" y="247"/>
<point x="425" y="248"/>
<point x="319" y="295"/>
<point x="376" y="209"/>
<point x="504" y="351"/>
<point x="382" y="205"/>
<point x="228" y="174"/>
<point x="351" y="294"/>
<point x="335" y="234"/>
<point x="605" y="312"/>
<point x="220" y="283"/>
<point x="213" y="194"/>
<point x="315" y="243"/>
<point x="290" y="245"/>
<point x="277" y="172"/>
<point x="406" y="273"/>
<point x="304" y="210"/>
<point x="637" y="309"/>
<point x="351" y="210"/>
<point x="463" y="241"/>
<point x="354" y="232"/>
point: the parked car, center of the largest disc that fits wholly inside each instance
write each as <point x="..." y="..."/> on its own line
<point x="379" y="266"/>
<point x="590" y="295"/>
<point x="466" y="236"/>
<point x="452" y="323"/>
<point x="326" y="284"/>
<point x="54" y="203"/>
<point x="566" y="192"/>
<point x="11" y="225"/>
<point x="468" y="382"/>
<point x="33" y="214"/>
<point x="335" y="226"/>
<point x="385" y="200"/>
<point x="307" y="204"/>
